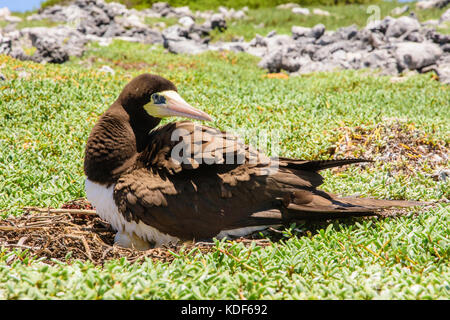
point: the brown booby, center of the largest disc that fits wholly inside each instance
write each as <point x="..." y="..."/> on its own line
<point x="183" y="181"/>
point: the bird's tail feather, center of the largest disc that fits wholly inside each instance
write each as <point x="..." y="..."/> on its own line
<point x="317" y="165"/>
<point x="346" y="207"/>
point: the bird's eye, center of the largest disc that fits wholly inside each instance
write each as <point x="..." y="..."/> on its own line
<point x="158" y="99"/>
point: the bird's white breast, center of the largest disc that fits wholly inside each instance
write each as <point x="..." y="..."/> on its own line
<point x="102" y="199"/>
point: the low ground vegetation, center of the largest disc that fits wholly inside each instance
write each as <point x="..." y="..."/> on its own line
<point x="48" y="111"/>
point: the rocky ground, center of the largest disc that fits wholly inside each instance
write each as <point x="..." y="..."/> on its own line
<point x="393" y="45"/>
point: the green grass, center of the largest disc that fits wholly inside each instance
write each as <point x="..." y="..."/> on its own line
<point x="47" y="116"/>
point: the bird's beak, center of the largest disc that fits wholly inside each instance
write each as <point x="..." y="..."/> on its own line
<point x="171" y="104"/>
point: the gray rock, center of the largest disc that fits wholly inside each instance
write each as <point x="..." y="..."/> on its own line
<point x="317" y="31"/>
<point x="186" y="47"/>
<point x="446" y="48"/>
<point x="380" y="59"/>
<point x="288" y="6"/>
<point x="380" y="25"/>
<point x="5" y="45"/>
<point x="428" y="4"/>
<point x="271" y="34"/>
<point x="218" y="22"/>
<point x="280" y="59"/>
<point x="400" y="10"/>
<point x="279" y="40"/>
<point x="443" y="72"/>
<point x="438" y="38"/>
<point x="186" y="22"/>
<point x="49" y="50"/>
<point x="160" y="6"/>
<point x="315" y="66"/>
<point x="346" y="33"/>
<point x="298" y="32"/>
<point x="301" y="11"/>
<point x="445" y="17"/>
<point x="414" y="56"/>
<point x="401" y="26"/>
<point x="258" y="41"/>
<point x="321" y="12"/>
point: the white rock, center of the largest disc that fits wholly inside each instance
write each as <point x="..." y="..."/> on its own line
<point x="186" y="21"/>
<point x="287" y="6"/>
<point x="4" y="12"/>
<point x="445" y="16"/>
<point x="400" y="10"/>
<point x="321" y="12"/>
<point x="107" y="69"/>
<point x="428" y="4"/>
<point x="301" y="11"/>
<point x="13" y="19"/>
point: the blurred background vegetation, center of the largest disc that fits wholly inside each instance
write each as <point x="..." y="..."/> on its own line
<point x="213" y="4"/>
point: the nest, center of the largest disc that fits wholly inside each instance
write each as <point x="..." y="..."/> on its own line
<point x="76" y="232"/>
<point x="401" y="144"/>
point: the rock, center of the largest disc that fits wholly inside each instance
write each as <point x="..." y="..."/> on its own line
<point x="380" y="25"/>
<point x="160" y="6"/>
<point x="445" y="17"/>
<point x="346" y="33"/>
<point x="23" y="75"/>
<point x="4" y="12"/>
<point x="441" y="175"/>
<point x="279" y="40"/>
<point x="2" y="77"/>
<point x="400" y="10"/>
<point x="278" y="60"/>
<point x="218" y="22"/>
<point x="258" y="41"/>
<point x="431" y="22"/>
<point x="186" y="22"/>
<point x="443" y="72"/>
<point x="107" y="69"/>
<point x="301" y="11"/>
<point x="428" y="4"/>
<point x="414" y="56"/>
<point x="13" y="19"/>
<point x="317" y="31"/>
<point x="321" y="12"/>
<point x="271" y="34"/>
<point x="401" y="26"/>
<point x="5" y="45"/>
<point x="288" y="6"/>
<point x="298" y="32"/>
<point x="315" y="66"/>
<point x="186" y="47"/>
<point x="380" y="59"/>
<point x="49" y="50"/>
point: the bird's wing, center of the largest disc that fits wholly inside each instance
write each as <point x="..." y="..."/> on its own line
<point x="193" y="198"/>
<point x="186" y="145"/>
<point x="216" y="179"/>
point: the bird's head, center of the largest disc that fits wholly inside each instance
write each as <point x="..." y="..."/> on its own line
<point x="158" y="98"/>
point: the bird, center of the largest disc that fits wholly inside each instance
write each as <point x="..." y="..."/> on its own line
<point x="159" y="185"/>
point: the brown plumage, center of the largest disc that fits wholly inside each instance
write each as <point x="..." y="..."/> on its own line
<point x="203" y="194"/>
